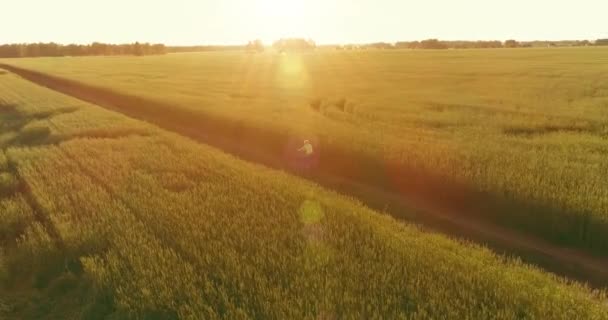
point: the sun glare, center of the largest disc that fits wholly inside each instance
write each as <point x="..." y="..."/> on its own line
<point x="280" y="18"/>
<point x="283" y="9"/>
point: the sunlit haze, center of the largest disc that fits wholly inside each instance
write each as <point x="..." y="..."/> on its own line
<point x="183" y="22"/>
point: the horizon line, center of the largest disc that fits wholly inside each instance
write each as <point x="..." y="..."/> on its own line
<point x="217" y="44"/>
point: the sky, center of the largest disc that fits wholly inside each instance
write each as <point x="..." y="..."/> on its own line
<point x="190" y="22"/>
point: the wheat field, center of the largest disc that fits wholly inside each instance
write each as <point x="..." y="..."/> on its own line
<point x="524" y="130"/>
<point x="103" y="216"/>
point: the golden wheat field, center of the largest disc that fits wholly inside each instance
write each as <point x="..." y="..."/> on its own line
<point x="104" y="216"/>
<point x="523" y="130"/>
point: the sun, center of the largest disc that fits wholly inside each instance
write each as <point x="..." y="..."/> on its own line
<point x="283" y="9"/>
<point x="281" y="18"/>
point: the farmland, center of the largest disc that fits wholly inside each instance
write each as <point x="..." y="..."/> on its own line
<point x="515" y="137"/>
<point x="106" y="216"/>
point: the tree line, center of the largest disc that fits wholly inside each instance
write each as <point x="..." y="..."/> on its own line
<point x="22" y="50"/>
<point x="301" y="44"/>
<point x="202" y="48"/>
<point x="442" y="44"/>
<point x="294" y="44"/>
<point x="281" y="45"/>
<point x="52" y="49"/>
<point x="601" y="42"/>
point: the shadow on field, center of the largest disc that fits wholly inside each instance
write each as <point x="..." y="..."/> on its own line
<point x="18" y="128"/>
<point x="43" y="275"/>
<point x="449" y="206"/>
<point x="528" y="132"/>
<point x="16" y="131"/>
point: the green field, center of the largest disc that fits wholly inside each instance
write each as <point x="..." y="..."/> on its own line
<point x="518" y="137"/>
<point x="103" y="216"/>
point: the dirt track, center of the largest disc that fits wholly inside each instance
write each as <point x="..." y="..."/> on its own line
<point x="417" y="202"/>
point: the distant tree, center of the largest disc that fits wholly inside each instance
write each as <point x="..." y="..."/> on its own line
<point x="95" y="48"/>
<point x="413" y="45"/>
<point x="294" y="44"/>
<point x="511" y="44"/>
<point x="380" y="45"/>
<point x="255" y="46"/>
<point x="466" y="44"/>
<point x="487" y="44"/>
<point x="73" y="50"/>
<point x="10" y="51"/>
<point x="159" y="49"/>
<point x="438" y="44"/>
<point x="137" y="49"/>
<point x="432" y="44"/>
<point x="205" y="48"/>
<point x="33" y="50"/>
<point x="601" y="42"/>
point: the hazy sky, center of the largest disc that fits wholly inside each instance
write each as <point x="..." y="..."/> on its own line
<point x="326" y="21"/>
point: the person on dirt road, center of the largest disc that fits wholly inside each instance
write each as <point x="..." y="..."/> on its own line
<point x="306" y="149"/>
<point x="305" y="158"/>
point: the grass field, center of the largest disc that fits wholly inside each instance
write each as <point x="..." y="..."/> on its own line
<point x="517" y="137"/>
<point x="103" y="216"/>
